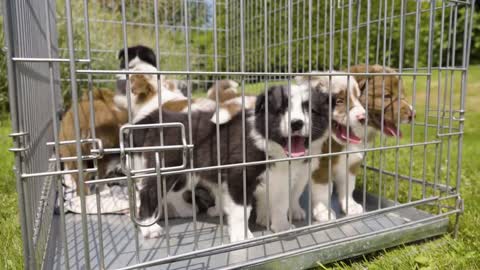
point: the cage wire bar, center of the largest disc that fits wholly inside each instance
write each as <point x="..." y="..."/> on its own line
<point x="408" y="187"/>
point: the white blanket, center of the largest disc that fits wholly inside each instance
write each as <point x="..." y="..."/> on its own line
<point x="113" y="199"/>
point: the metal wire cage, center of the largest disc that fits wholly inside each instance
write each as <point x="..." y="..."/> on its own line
<point x="408" y="187"/>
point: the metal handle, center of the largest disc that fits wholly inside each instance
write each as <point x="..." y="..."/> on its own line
<point x="96" y="153"/>
<point x="126" y="151"/>
<point x="158" y="214"/>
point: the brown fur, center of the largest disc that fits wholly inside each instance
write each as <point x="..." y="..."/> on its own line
<point x="320" y="175"/>
<point x="393" y="86"/>
<point x="170" y="85"/>
<point x="175" y="105"/>
<point x="394" y="92"/>
<point x="226" y="91"/>
<point x="107" y="123"/>
<point x="342" y="107"/>
<point x="142" y="88"/>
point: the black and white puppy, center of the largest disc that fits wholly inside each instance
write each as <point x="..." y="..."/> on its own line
<point x="136" y="55"/>
<point x="204" y="140"/>
<point x="143" y="55"/>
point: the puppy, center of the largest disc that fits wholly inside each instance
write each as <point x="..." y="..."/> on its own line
<point x="204" y="154"/>
<point x="344" y="173"/>
<point x="144" y="98"/>
<point x="344" y="118"/>
<point x="142" y="55"/>
<point x="108" y="119"/>
<point x="144" y="92"/>
<point x="136" y="55"/>
<point x="338" y="89"/>
<point x="394" y="97"/>
<point x="227" y="89"/>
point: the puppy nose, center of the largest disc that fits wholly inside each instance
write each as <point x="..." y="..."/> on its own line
<point x="361" y="118"/>
<point x="296" y="124"/>
<point x="411" y="116"/>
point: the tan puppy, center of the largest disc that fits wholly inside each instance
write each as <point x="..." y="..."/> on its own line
<point x="108" y="119"/>
<point x="227" y="89"/>
<point x="344" y="174"/>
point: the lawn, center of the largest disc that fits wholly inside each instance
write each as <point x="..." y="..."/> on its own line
<point x="440" y="253"/>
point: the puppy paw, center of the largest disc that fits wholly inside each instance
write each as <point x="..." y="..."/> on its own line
<point x="262" y="219"/>
<point x="281" y="226"/>
<point x="240" y="235"/>
<point x="213" y="211"/>
<point x="298" y="213"/>
<point x="353" y="208"/>
<point x="320" y="213"/>
<point x="154" y="231"/>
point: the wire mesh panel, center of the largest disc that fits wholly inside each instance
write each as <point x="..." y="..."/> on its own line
<point x="240" y="134"/>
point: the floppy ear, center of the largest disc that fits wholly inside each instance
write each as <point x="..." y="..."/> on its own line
<point x="260" y="103"/>
<point x="362" y="82"/>
<point x="121" y="54"/>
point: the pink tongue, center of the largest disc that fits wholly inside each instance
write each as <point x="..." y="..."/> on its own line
<point x="342" y="133"/>
<point x="298" y="146"/>
<point x="391" y="131"/>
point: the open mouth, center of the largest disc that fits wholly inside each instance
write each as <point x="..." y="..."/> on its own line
<point x="390" y="129"/>
<point x="298" y="146"/>
<point x="341" y="133"/>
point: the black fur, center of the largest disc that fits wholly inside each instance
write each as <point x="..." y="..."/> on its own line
<point x="205" y="139"/>
<point x="278" y="106"/>
<point x="144" y="53"/>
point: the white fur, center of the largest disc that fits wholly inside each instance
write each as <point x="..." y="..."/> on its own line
<point x="153" y="231"/>
<point x="342" y="177"/>
<point x="180" y="208"/>
<point x="320" y="196"/>
<point x="236" y="217"/>
<point x="278" y="174"/>
<point x="139" y="111"/>
<point x="225" y="115"/>
<point x="233" y="85"/>
<point x="278" y="195"/>
<point x="298" y="94"/>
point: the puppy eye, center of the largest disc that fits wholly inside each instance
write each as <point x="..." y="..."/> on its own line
<point x="339" y="101"/>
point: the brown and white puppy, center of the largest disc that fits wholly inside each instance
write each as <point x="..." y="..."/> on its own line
<point x="142" y="55"/>
<point x="227" y="89"/>
<point x="108" y="119"/>
<point x="344" y="172"/>
<point x="393" y="96"/>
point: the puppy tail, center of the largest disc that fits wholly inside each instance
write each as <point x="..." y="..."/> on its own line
<point x="224" y="116"/>
<point x="121" y="101"/>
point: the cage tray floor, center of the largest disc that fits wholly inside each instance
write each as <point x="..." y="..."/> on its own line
<point x="325" y="244"/>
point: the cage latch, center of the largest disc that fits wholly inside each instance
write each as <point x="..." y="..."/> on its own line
<point x="22" y="139"/>
<point x="125" y="151"/>
<point x="96" y="151"/>
<point x="127" y="160"/>
<point x="460" y="204"/>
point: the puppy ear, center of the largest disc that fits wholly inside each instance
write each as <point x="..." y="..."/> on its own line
<point x="301" y="79"/>
<point x="260" y="103"/>
<point x="139" y="84"/>
<point x="121" y="54"/>
<point x="362" y="82"/>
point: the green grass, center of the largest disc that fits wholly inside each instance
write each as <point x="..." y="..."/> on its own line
<point x="11" y="252"/>
<point x="442" y="253"/>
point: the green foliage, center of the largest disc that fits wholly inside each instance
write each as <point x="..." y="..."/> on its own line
<point x="11" y="253"/>
<point x="3" y="74"/>
<point x="387" y="39"/>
